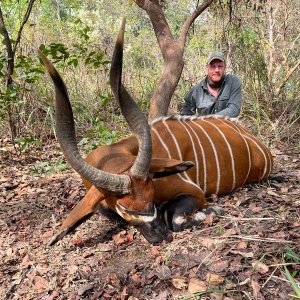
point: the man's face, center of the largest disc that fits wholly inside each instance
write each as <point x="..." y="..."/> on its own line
<point x="216" y="70"/>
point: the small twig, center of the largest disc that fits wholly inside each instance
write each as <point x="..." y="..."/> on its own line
<point x="206" y="258"/>
<point x="245" y="281"/>
<point x="249" y="238"/>
<point x="282" y="279"/>
<point x="270" y="277"/>
<point x="17" y="282"/>
<point x="284" y="264"/>
<point x="123" y="248"/>
<point x="247" y="219"/>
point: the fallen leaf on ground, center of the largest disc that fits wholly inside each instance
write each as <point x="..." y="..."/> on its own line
<point x="77" y="242"/>
<point x="196" y="286"/>
<point x="260" y="267"/>
<point x="84" y="288"/>
<point x="255" y="208"/>
<point x="244" y="254"/>
<point x="179" y="283"/>
<point x="136" y="277"/>
<point x="269" y="192"/>
<point x="279" y="235"/>
<point x="242" y="245"/>
<point x="121" y="238"/>
<point x="214" y="279"/>
<point x="228" y="233"/>
<point x="208" y="243"/>
<point x="219" y="266"/>
<point x="163" y="272"/>
<point x="40" y="284"/>
<point x="256" y="289"/>
<point x="296" y="224"/>
<point x="154" y="251"/>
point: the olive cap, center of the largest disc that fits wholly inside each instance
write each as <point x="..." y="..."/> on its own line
<point x="215" y="55"/>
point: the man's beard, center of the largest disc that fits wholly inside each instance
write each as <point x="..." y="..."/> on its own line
<point x="215" y="85"/>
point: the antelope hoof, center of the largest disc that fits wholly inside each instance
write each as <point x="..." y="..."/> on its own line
<point x="215" y="211"/>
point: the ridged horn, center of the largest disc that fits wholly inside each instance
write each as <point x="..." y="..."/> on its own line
<point x="132" y="114"/>
<point x="65" y="130"/>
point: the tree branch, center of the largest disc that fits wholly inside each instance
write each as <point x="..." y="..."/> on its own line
<point x="25" y="19"/>
<point x="287" y="76"/>
<point x="160" y="25"/>
<point x="187" y="24"/>
<point x="172" y="52"/>
<point x="9" y="49"/>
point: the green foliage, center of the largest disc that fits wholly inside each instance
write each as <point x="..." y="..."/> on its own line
<point x="79" y="36"/>
<point x="106" y="98"/>
<point x="3" y="60"/>
<point x="98" y="135"/>
<point x="45" y="168"/>
<point x="27" y="71"/>
<point x="219" y="229"/>
<point x="26" y="142"/>
<point x="291" y="256"/>
<point x="58" y="51"/>
<point x="8" y="98"/>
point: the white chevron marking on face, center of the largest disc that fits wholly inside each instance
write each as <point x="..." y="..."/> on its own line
<point x="122" y="211"/>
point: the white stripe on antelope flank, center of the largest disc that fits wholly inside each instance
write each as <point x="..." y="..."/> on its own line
<point x="169" y="155"/>
<point x="179" y="152"/>
<point x="265" y="151"/>
<point x="162" y="142"/>
<point x="194" y="149"/>
<point x="236" y="129"/>
<point x="215" y="154"/>
<point x="203" y="157"/>
<point x="270" y="159"/>
<point x="246" y="134"/>
<point x="230" y="152"/>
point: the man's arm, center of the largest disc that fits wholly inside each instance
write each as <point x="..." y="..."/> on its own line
<point x="233" y="107"/>
<point x="189" y="106"/>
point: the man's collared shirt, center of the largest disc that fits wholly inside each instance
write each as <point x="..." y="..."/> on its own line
<point x="228" y="101"/>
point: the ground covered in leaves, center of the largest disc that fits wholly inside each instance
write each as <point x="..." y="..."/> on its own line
<point x="248" y="253"/>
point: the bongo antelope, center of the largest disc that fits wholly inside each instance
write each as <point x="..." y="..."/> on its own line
<point x="158" y="177"/>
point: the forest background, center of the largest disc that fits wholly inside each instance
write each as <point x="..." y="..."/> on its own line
<point x="261" y="41"/>
<point x="252" y="252"/>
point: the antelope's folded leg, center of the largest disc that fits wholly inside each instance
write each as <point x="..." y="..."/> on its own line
<point x="81" y="212"/>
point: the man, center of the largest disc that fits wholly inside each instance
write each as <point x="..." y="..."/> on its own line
<point x="217" y="93"/>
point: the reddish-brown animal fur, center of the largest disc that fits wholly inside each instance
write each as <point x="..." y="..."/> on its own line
<point x="191" y="159"/>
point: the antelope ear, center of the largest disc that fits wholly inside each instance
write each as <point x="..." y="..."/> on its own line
<point x="162" y="167"/>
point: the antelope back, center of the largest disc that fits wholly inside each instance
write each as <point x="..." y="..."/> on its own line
<point x="226" y="155"/>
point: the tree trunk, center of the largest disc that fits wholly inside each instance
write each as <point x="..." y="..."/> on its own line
<point x="172" y="52"/>
<point x="11" y="53"/>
